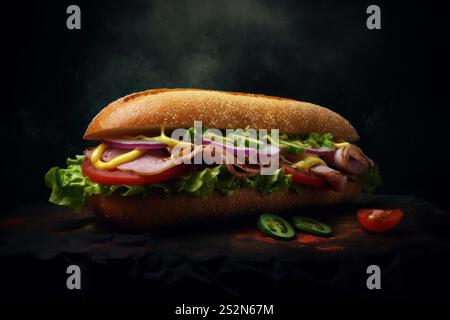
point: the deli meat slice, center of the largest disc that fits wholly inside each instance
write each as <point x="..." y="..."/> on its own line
<point x="350" y="159"/>
<point x="154" y="161"/>
<point x="337" y="180"/>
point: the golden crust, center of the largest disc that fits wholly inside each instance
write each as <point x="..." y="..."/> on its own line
<point x="137" y="213"/>
<point x="179" y="108"/>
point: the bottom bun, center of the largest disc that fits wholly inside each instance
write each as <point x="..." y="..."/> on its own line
<point x="149" y="212"/>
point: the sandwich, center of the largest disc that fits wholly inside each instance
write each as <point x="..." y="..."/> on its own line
<point x="172" y="156"/>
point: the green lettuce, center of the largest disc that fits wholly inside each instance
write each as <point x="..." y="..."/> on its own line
<point x="70" y="188"/>
<point x="199" y="183"/>
<point x="279" y="181"/>
<point x="370" y="180"/>
<point x="297" y="145"/>
<point x="316" y="140"/>
<point x="203" y="183"/>
<point x="228" y="184"/>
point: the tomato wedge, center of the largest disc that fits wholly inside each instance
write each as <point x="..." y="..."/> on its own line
<point x="118" y="177"/>
<point x="378" y="220"/>
<point x="305" y="178"/>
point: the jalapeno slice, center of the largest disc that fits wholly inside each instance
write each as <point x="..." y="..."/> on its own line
<point x="312" y="226"/>
<point x="275" y="227"/>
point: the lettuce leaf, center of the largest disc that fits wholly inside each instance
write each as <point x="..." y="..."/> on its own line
<point x="228" y="184"/>
<point x="279" y="181"/>
<point x="70" y="188"/>
<point x="316" y="140"/>
<point x="370" y="180"/>
<point x="199" y="183"/>
<point x="297" y="145"/>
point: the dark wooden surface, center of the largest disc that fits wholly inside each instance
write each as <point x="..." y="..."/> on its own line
<point x="231" y="258"/>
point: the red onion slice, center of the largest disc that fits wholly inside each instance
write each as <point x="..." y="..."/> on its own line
<point x="131" y="144"/>
<point x="322" y="151"/>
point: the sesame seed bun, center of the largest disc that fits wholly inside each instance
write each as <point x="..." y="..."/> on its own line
<point x="178" y="108"/>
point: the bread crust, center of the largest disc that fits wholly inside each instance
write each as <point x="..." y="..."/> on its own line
<point x="178" y="108"/>
<point x="150" y="212"/>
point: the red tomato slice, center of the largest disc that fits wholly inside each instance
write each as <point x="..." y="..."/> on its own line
<point x="305" y="178"/>
<point x="378" y="220"/>
<point x="118" y="177"/>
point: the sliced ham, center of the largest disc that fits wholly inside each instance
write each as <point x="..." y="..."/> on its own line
<point x="154" y="161"/>
<point x="237" y="169"/>
<point x="357" y="167"/>
<point x="350" y="159"/>
<point x="148" y="164"/>
<point x="337" y="180"/>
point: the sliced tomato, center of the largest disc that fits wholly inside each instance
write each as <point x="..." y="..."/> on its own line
<point x="118" y="177"/>
<point x="305" y="178"/>
<point x="378" y="220"/>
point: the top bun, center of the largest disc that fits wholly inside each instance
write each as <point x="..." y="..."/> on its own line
<point x="147" y="111"/>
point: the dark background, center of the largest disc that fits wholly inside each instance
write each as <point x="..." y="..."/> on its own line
<point x="390" y="83"/>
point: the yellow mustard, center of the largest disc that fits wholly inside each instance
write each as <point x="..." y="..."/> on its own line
<point x="308" y="162"/>
<point x="112" y="164"/>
